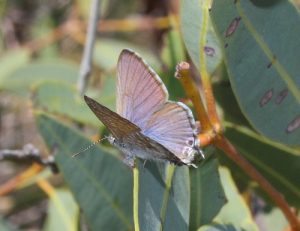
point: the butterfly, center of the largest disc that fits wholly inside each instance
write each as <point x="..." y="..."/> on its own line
<point x="147" y="125"/>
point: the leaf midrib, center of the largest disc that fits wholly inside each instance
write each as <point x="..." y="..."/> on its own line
<point x="282" y="72"/>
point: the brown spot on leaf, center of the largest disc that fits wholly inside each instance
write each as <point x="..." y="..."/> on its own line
<point x="293" y="125"/>
<point x="232" y="27"/>
<point x="226" y="45"/>
<point x="209" y="51"/>
<point x="272" y="61"/>
<point x="281" y="96"/>
<point x="266" y="98"/>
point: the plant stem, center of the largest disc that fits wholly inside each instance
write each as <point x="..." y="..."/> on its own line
<point x="190" y="88"/>
<point x="247" y="167"/>
<point x="170" y="169"/>
<point x="86" y="62"/>
<point x="13" y="183"/>
<point x="210" y="101"/>
<point x="136" y="196"/>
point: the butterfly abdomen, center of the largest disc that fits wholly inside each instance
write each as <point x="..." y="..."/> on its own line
<point x="138" y="145"/>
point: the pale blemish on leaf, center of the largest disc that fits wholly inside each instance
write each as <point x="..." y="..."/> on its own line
<point x="209" y="51"/>
<point x="293" y="125"/>
<point x="232" y="27"/>
<point x="281" y="96"/>
<point x="266" y="98"/>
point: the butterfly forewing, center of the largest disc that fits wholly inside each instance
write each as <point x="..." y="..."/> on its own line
<point x="117" y="125"/>
<point x="139" y="89"/>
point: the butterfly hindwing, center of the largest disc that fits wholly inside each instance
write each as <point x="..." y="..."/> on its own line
<point x="173" y="126"/>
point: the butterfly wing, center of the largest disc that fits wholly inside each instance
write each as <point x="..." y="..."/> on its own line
<point x="140" y="91"/>
<point x="117" y="125"/>
<point x="173" y="126"/>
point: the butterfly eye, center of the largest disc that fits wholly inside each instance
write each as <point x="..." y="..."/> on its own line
<point x="111" y="139"/>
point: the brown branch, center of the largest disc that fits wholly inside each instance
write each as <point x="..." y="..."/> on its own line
<point x="134" y="24"/>
<point x="29" y="152"/>
<point x="75" y="29"/>
<point x="86" y="61"/>
<point x="248" y="168"/>
<point x="13" y="183"/>
<point x="183" y="74"/>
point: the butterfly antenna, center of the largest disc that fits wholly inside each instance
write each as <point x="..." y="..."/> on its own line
<point x="91" y="145"/>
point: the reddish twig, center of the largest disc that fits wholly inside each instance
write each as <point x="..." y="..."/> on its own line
<point x="222" y="143"/>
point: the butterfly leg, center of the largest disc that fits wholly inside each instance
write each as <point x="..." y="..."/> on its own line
<point x="129" y="161"/>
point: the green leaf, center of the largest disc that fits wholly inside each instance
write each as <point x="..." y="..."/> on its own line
<point x="105" y="95"/>
<point x="107" y="52"/>
<point x="100" y="182"/>
<point x="192" y="26"/>
<point x="4" y="226"/>
<point x="26" y="77"/>
<point x="273" y="220"/>
<point x="220" y="227"/>
<point x="163" y="197"/>
<point x="236" y="211"/>
<point x="12" y="61"/>
<point x="62" y="212"/>
<point x="172" y="53"/>
<point x="63" y="99"/>
<point x="207" y="195"/>
<point x="228" y="108"/>
<point x="261" y="53"/>
<point x="279" y="164"/>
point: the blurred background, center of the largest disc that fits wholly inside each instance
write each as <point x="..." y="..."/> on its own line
<point x="41" y="47"/>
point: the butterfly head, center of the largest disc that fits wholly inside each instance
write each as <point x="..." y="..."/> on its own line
<point x="111" y="139"/>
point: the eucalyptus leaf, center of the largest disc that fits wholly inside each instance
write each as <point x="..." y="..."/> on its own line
<point x="107" y="52"/>
<point x="192" y="25"/>
<point x="207" y="194"/>
<point x="24" y="78"/>
<point x="235" y="212"/>
<point x="261" y="54"/>
<point x="271" y="220"/>
<point x="62" y="213"/>
<point x="172" y="53"/>
<point x="63" y="99"/>
<point x="164" y="201"/>
<point x="11" y="61"/>
<point x="100" y="182"/>
<point x="279" y="164"/>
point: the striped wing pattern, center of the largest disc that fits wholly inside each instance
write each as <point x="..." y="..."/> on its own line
<point x="140" y="91"/>
<point x="173" y="126"/>
<point x="142" y="98"/>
